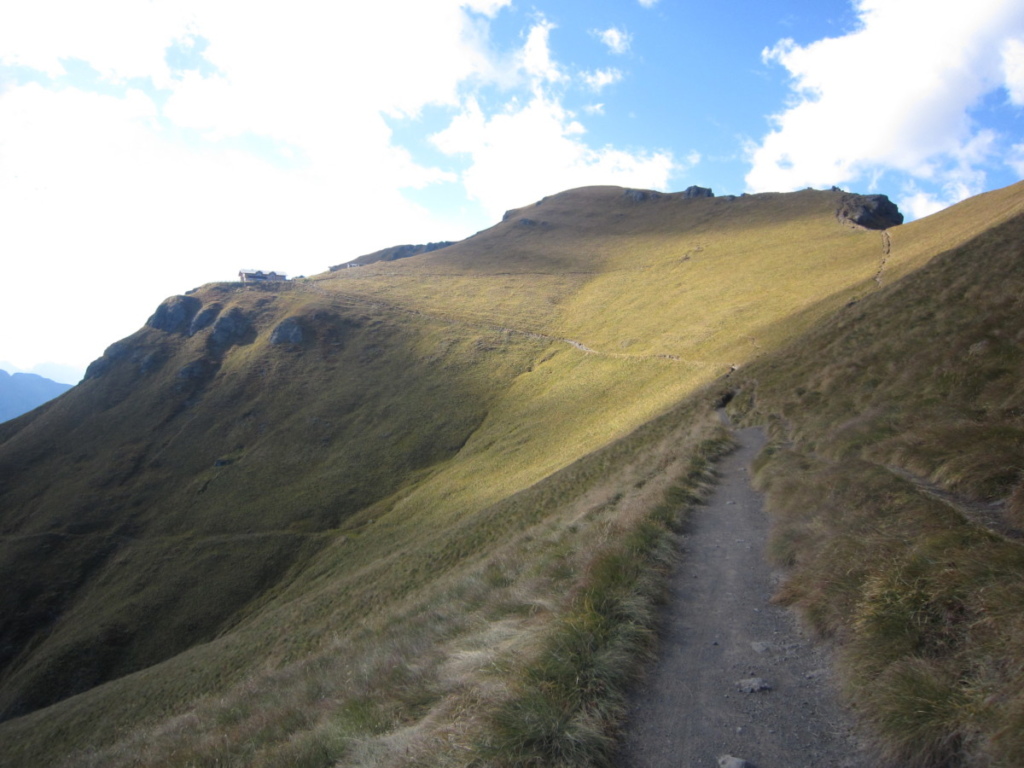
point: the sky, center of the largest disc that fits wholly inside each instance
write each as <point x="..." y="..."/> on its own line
<point x="150" y="146"/>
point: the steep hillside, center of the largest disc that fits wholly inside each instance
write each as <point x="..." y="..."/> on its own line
<point x="337" y="517"/>
<point x="896" y="480"/>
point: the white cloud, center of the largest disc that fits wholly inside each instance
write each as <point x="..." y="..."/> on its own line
<point x="535" y="57"/>
<point x="486" y="7"/>
<point x="594" y="109"/>
<point x="113" y="217"/>
<point x="533" y="149"/>
<point x="648" y="3"/>
<point x="41" y="33"/>
<point x="108" y="200"/>
<point x="1013" y="69"/>
<point x="921" y="204"/>
<point x="1015" y="159"/>
<point x="601" y="78"/>
<point x="535" y="146"/>
<point x="956" y="186"/>
<point x="279" y="154"/>
<point x="893" y="95"/>
<point x="617" y="40"/>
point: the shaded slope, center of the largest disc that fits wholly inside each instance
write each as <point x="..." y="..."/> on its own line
<point x="893" y="424"/>
<point x="256" y="501"/>
<point x="190" y="479"/>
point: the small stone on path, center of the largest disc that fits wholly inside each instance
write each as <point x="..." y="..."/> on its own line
<point x="753" y="685"/>
<point x="728" y="761"/>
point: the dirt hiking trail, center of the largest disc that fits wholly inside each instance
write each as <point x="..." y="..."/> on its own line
<point x="738" y="683"/>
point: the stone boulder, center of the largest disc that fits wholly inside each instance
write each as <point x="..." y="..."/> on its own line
<point x="694" y="192"/>
<point x="641" y="195"/>
<point x="869" y="211"/>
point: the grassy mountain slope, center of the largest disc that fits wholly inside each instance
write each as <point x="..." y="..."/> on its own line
<point x="896" y="478"/>
<point x="339" y="518"/>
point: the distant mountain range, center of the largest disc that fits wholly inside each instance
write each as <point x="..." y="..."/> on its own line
<point x="21" y="392"/>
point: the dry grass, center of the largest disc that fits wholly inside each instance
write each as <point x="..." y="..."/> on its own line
<point x="424" y="684"/>
<point x="914" y="389"/>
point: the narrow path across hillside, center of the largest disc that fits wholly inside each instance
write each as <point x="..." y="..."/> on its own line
<point x="469" y="323"/>
<point x="886" y="249"/>
<point x="736" y="678"/>
<point x="990" y="515"/>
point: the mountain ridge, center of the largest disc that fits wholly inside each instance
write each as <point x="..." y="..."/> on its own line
<point x="326" y="450"/>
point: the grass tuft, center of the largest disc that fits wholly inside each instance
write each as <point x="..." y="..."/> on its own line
<point x="567" y="706"/>
<point x="894" y="484"/>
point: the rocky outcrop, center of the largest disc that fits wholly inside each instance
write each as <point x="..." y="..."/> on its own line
<point x="231" y="328"/>
<point x="288" y="331"/>
<point x="146" y="359"/>
<point x="642" y="195"/>
<point x="394" y="253"/>
<point x="869" y="211"/>
<point x="116" y="351"/>
<point x="175" y="314"/>
<point x="205" y="318"/>
<point x="183" y="315"/>
<point x="696" y="192"/>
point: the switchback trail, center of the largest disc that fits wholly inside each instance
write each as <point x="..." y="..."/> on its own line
<point x="736" y="674"/>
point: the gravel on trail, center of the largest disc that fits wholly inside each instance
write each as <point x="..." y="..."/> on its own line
<point x="738" y="682"/>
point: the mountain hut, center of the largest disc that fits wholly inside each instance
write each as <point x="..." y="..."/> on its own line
<point x="259" y="276"/>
